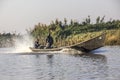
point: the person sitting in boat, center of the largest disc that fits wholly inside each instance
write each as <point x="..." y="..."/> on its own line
<point x="49" y="41"/>
<point x="36" y="44"/>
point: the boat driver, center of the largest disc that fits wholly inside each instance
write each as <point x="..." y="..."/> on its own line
<point x="49" y="41"/>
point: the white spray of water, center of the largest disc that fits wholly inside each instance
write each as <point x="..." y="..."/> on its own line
<point x="71" y="51"/>
<point x="23" y="44"/>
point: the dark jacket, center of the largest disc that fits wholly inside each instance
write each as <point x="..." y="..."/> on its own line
<point x="49" y="39"/>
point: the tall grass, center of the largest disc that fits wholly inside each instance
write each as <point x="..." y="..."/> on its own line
<point x="113" y="37"/>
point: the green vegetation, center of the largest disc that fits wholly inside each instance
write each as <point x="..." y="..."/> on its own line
<point x="65" y="33"/>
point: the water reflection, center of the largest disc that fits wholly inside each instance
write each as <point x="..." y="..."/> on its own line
<point x="96" y="64"/>
<point x="50" y="59"/>
<point x="50" y="64"/>
<point x="37" y="56"/>
<point x="92" y="56"/>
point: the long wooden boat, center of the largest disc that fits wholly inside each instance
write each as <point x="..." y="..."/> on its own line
<point x="85" y="46"/>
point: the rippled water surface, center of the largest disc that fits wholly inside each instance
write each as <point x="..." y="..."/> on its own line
<point x="101" y="64"/>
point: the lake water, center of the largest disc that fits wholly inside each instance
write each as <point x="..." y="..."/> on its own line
<point x="101" y="64"/>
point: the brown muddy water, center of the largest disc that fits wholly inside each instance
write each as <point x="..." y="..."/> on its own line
<point x="101" y="64"/>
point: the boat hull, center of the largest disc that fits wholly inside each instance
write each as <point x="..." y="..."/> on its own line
<point x="90" y="44"/>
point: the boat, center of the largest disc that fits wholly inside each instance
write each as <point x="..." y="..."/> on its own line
<point x="84" y="46"/>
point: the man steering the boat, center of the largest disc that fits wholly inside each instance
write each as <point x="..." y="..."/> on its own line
<point x="49" y="41"/>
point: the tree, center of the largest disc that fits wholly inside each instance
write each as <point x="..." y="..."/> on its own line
<point x="102" y="20"/>
<point x="71" y="22"/>
<point x="98" y="20"/>
<point x="88" y="20"/>
<point x="65" y="21"/>
<point x="56" y="21"/>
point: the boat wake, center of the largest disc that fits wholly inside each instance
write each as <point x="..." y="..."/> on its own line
<point x="22" y="49"/>
<point x="70" y="51"/>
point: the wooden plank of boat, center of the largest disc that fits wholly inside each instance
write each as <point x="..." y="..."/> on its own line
<point x="45" y="50"/>
<point x="90" y="44"/>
